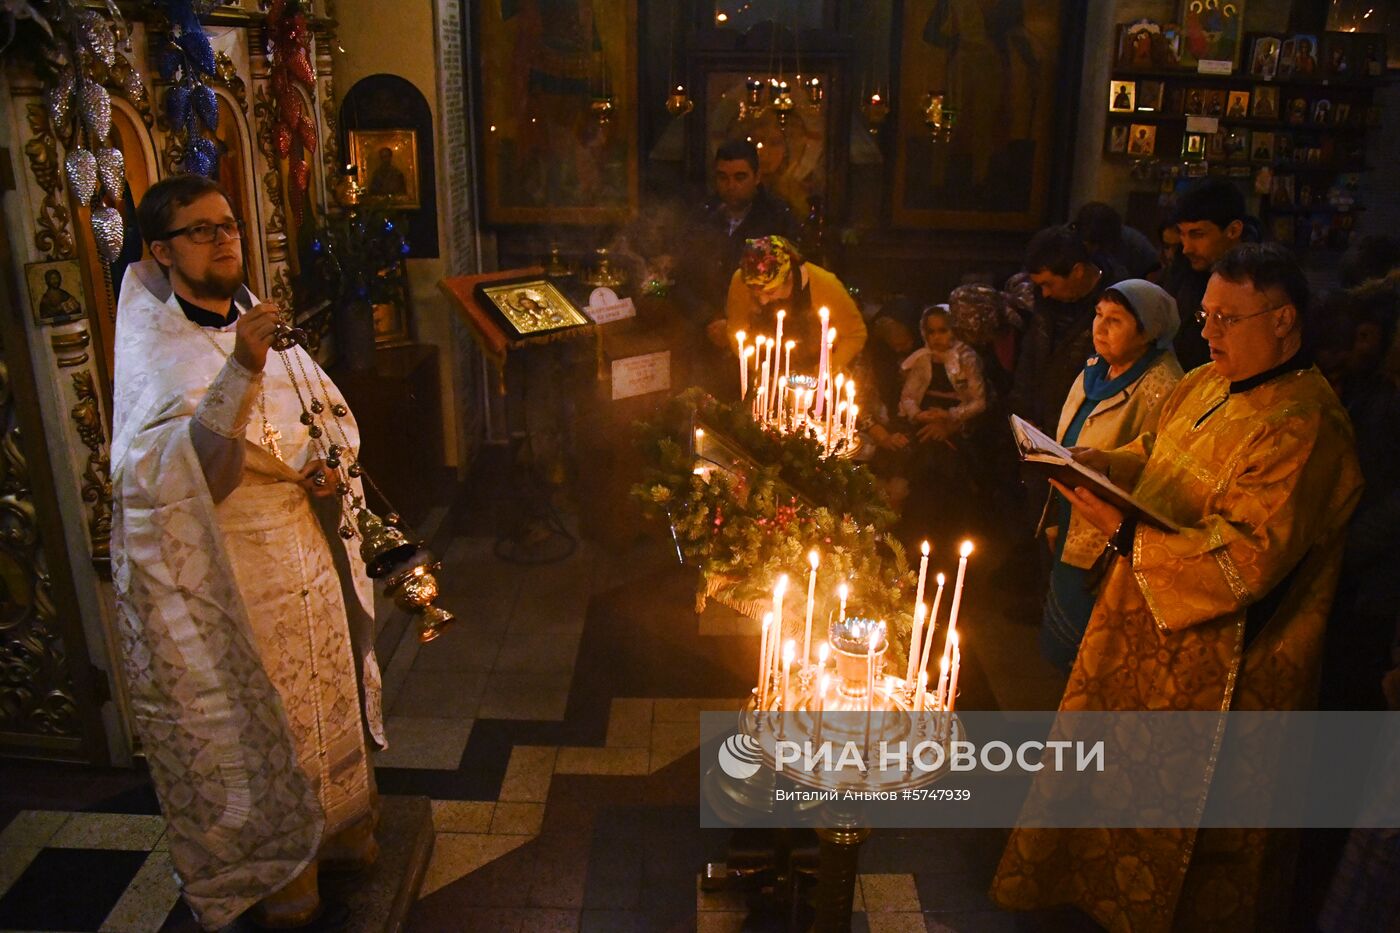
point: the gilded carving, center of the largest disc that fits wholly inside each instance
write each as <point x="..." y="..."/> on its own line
<point x="264" y="115"/>
<point x="70" y="349"/>
<point x="97" y="480"/>
<point x="52" y="236"/>
<point x="36" y="683"/>
<point x="226" y="76"/>
<point x="330" y="149"/>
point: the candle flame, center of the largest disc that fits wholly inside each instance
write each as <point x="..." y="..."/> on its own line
<point x="823" y="652"/>
<point x="919" y="610"/>
<point x="767" y="619"/>
<point x="830" y="336"/>
<point x="814" y="558"/>
<point x="966" y="548"/>
<point x="843" y="590"/>
<point x="781" y="314"/>
<point x="790" y="344"/>
<point x="789" y="651"/>
<point x="824" y="312"/>
<point x="741" y="336"/>
<point x="748" y="352"/>
<point x="940" y="579"/>
<point x="925" y="548"/>
<point x="781" y="586"/>
<point x="699" y="433"/>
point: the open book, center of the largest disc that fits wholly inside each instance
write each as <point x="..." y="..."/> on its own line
<point x="1041" y="451"/>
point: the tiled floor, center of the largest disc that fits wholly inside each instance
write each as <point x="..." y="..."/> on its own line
<point x="555" y="728"/>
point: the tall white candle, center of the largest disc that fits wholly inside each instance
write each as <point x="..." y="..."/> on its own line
<point x="774" y="360"/>
<point x="953" y="679"/>
<point x="823" y="360"/>
<point x="814" y="559"/>
<point x="823" y="652"/>
<point x="741" y="336"/>
<point x="939" y="698"/>
<point x="924" y="550"/>
<point x="762" y="400"/>
<point x="823" y="685"/>
<point x="789" y="652"/>
<point x="964" y="552"/>
<point x="843" y="591"/>
<point x="915" y="634"/>
<point x="787" y="361"/>
<point x="932" y="623"/>
<point x="779" y="591"/>
<point x="921" y="691"/>
<point x="763" y="660"/>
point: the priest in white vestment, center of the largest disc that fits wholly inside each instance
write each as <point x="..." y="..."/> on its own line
<point x="246" y="620"/>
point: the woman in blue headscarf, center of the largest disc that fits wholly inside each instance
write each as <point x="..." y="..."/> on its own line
<point x="1118" y="397"/>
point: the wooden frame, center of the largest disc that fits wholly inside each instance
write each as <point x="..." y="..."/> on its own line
<point x="392" y="182"/>
<point x="547" y="310"/>
<point x="547" y="157"/>
<point x="995" y="171"/>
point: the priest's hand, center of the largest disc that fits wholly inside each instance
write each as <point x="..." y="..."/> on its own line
<point x="254" y="336"/>
<point x="319" y="479"/>
<point x="1104" y="516"/>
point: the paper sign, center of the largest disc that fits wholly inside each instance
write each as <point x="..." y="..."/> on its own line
<point x="1215" y="66"/>
<point x="616" y="311"/>
<point x="638" y="375"/>
<point x="1202" y="124"/>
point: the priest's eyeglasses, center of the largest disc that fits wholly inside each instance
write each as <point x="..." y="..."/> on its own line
<point x="204" y="233"/>
<point x="1224" y="321"/>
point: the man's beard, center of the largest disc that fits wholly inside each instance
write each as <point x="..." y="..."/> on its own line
<point x="217" y="285"/>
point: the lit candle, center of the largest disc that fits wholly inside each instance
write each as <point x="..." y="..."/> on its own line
<point x="789" y="652"/>
<point x="924" y="549"/>
<point x="870" y="681"/>
<point x="823" y="652"/>
<point x="830" y="386"/>
<point x="743" y="365"/>
<point x="851" y="423"/>
<point x="964" y="551"/>
<point x="921" y="692"/>
<point x="773" y="362"/>
<point x="763" y="660"/>
<point x="822" y="360"/>
<point x="777" y="355"/>
<point x="957" y="666"/>
<point x="779" y="591"/>
<point x="787" y="360"/>
<point x="932" y="623"/>
<point x="939" y="698"/>
<point x="814" y="559"/>
<point x="761" y="415"/>
<point x="824" y="684"/>
<point x="744" y="371"/>
<point x="914" y="641"/>
<point x="843" y="591"/>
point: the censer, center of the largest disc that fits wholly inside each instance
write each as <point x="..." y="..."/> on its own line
<point x="406" y="568"/>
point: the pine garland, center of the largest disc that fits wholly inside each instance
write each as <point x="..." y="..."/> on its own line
<point x="743" y="533"/>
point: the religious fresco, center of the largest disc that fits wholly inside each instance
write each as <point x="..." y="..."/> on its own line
<point x="552" y="151"/>
<point x="995" y="62"/>
<point x="792" y="158"/>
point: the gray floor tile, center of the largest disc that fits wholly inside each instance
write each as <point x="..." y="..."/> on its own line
<point x="435" y="744"/>
<point x="440" y="694"/>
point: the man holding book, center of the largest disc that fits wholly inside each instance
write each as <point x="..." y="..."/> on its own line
<point x="1253" y="460"/>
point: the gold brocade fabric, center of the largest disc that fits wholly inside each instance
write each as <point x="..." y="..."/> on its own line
<point x="1262" y="482"/>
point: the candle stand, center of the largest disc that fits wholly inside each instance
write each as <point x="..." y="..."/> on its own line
<point x="892" y="714"/>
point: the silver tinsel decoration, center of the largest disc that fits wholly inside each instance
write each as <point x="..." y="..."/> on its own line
<point x="111" y="168"/>
<point x="107" y="231"/>
<point x="81" y="169"/>
<point x="97" y="36"/>
<point x="133" y="85"/>
<point x="97" y="111"/>
<point x="59" y="101"/>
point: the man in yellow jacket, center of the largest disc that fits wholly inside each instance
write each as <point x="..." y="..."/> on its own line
<point x="772" y="276"/>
